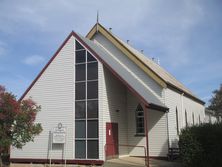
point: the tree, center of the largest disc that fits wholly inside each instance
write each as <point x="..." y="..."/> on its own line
<point x="216" y="101"/>
<point x="17" y="121"/>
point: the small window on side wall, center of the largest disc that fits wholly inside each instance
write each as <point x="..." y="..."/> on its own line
<point x="186" y="118"/>
<point x="140" y="120"/>
<point x="177" y="121"/>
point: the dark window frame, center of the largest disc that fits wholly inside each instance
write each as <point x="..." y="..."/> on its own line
<point x="186" y="122"/>
<point x="139" y="115"/>
<point x="95" y="119"/>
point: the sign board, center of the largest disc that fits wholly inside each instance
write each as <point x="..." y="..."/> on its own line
<point x="59" y="135"/>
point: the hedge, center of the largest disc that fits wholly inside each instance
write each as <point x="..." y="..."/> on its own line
<point x="201" y="146"/>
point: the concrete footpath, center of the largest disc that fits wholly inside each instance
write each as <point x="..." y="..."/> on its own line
<point x="122" y="162"/>
<point x="139" y="162"/>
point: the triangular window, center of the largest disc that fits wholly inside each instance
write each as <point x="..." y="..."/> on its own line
<point x="90" y="58"/>
<point x="79" y="46"/>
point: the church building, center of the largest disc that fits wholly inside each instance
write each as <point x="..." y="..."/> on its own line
<point x="101" y="98"/>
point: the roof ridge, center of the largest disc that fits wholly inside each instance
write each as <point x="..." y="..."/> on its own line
<point x="161" y="72"/>
<point x="155" y="64"/>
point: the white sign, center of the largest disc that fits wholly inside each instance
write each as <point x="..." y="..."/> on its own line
<point x="59" y="135"/>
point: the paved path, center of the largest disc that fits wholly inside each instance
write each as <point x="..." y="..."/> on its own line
<point x="138" y="162"/>
<point x="123" y="162"/>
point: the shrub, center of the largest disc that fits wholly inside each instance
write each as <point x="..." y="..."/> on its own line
<point x="201" y="146"/>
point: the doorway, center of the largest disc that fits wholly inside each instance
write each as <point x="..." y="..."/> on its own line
<point x="112" y="149"/>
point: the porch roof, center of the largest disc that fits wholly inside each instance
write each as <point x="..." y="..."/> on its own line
<point x="123" y="73"/>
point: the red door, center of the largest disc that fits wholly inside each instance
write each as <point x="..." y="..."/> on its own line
<point x="112" y="149"/>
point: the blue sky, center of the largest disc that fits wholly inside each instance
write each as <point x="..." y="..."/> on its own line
<point x="185" y="35"/>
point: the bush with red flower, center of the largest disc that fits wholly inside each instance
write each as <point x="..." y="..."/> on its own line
<point x="17" y="121"/>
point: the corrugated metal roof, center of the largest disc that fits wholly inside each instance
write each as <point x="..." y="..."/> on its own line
<point x="167" y="77"/>
<point x="150" y="64"/>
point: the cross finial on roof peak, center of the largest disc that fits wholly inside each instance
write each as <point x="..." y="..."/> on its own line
<point x="97" y="20"/>
<point x="97" y="17"/>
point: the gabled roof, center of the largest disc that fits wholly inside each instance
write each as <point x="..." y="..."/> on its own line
<point x="122" y="73"/>
<point x="146" y="96"/>
<point x="155" y="71"/>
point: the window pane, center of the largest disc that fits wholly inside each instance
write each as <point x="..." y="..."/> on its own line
<point x="139" y="124"/>
<point x="80" y="109"/>
<point x="90" y="57"/>
<point x="140" y="130"/>
<point x="80" y="148"/>
<point x="92" y="90"/>
<point x="80" y="91"/>
<point x="92" y="71"/>
<point x="80" y="129"/>
<point x="140" y="113"/>
<point x="78" y="46"/>
<point x="92" y="109"/>
<point x="92" y="129"/>
<point x="80" y="56"/>
<point x="139" y="120"/>
<point x="80" y="72"/>
<point x="92" y="149"/>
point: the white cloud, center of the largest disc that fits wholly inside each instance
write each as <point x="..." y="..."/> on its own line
<point x="167" y="26"/>
<point x="34" y="60"/>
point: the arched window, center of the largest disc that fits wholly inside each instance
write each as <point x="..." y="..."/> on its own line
<point x="186" y="118"/>
<point x="140" y="120"/>
<point x="193" y="119"/>
<point x="177" y="121"/>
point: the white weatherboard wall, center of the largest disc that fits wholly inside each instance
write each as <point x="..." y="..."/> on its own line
<point x="157" y="130"/>
<point x="54" y="91"/>
<point x="174" y="99"/>
<point x="114" y="98"/>
<point x="209" y="118"/>
<point x="114" y="92"/>
<point x="102" y="108"/>
<point x="193" y="108"/>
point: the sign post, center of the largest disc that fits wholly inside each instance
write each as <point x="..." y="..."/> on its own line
<point x="58" y="136"/>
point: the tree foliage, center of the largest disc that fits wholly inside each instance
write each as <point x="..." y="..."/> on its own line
<point x="17" y="126"/>
<point x="201" y="146"/>
<point x="216" y="101"/>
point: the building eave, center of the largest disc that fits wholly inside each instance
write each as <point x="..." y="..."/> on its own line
<point x="169" y="85"/>
<point x="98" y="27"/>
<point x="145" y="102"/>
